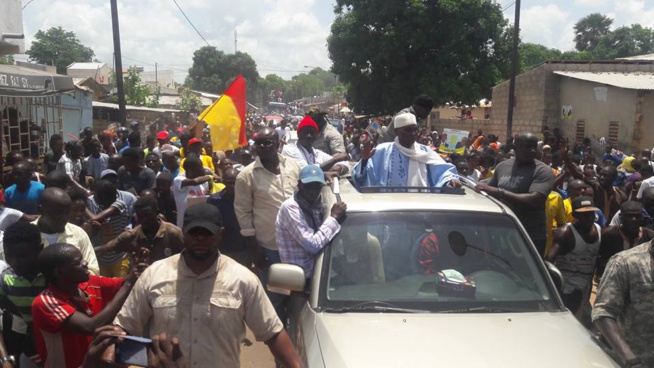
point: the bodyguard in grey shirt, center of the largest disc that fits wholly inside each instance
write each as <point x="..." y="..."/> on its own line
<point x="523" y="183"/>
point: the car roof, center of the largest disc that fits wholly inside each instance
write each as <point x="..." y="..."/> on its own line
<point x="379" y="199"/>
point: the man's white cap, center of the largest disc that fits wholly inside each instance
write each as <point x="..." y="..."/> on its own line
<point x="403" y="120"/>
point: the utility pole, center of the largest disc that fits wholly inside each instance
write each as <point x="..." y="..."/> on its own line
<point x="118" y="62"/>
<point x="156" y="75"/>
<point x="235" y="41"/>
<point x="514" y="70"/>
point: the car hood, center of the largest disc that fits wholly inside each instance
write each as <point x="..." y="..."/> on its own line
<point x="457" y="340"/>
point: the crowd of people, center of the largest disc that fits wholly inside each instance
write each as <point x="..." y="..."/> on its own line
<point x="155" y="233"/>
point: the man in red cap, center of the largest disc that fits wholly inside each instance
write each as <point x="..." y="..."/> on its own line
<point x="195" y="146"/>
<point x="304" y="153"/>
<point x="164" y="139"/>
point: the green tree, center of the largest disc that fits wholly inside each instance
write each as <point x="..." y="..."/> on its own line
<point x="213" y="70"/>
<point x="531" y="55"/>
<point x="189" y="101"/>
<point x="7" y="60"/>
<point x="387" y="51"/>
<point x="136" y="92"/>
<point x="624" y="42"/>
<point x="589" y="29"/>
<point x="59" y="48"/>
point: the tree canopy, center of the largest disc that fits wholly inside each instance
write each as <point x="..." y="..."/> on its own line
<point x="213" y="70"/>
<point x="532" y="55"/>
<point x="590" y="29"/>
<point x="136" y="92"/>
<point x="313" y="83"/>
<point x="592" y="34"/>
<point x="7" y="60"/>
<point x="388" y="51"/>
<point x="59" y="48"/>
<point x="189" y="101"/>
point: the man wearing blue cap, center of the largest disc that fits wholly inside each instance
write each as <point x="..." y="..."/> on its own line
<point x="302" y="229"/>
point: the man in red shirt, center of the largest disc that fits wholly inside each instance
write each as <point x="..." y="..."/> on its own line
<point x="74" y="305"/>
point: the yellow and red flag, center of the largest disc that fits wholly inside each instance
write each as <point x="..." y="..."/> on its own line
<point x="226" y="118"/>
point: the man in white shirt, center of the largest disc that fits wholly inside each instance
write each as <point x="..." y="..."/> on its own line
<point x="55" y="228"/>
<point x="97" y="161"/>
<point x="193" y="182"/>
<point x="304" y="153"/>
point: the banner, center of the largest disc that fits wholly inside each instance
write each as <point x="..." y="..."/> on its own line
<point x="453" y="140"/>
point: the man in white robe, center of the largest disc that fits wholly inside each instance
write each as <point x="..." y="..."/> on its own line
<point x="403" y="163"/>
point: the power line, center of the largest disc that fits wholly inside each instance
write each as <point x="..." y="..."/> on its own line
<point x="504" y="9"/>
<point x="29" y="2"/>
<point x="191" y="23"/>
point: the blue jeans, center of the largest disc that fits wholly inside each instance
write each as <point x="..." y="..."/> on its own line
<point x="278" y="300"/>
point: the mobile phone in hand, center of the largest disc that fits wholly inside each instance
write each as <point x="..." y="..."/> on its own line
<point x="133" y="350"/>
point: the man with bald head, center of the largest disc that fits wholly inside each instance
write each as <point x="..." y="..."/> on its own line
<point x="23" y="195"/>
<point x="115" y="162"/>
<point x="627" y="234"/>
<point x="261" y="188"/>
<point x="53" y="224"/>
<point x="523" y="183"/>
<point x="605" y="196"/>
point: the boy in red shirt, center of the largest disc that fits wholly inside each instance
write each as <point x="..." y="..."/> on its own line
<point x="74" y="305"/>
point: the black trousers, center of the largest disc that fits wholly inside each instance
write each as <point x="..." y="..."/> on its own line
<point x="573" y="300"/>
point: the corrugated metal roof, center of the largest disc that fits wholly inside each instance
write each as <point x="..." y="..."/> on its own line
<point x="86" y="66"/>
<point x="636" y="80"/>
<point x="639" y="57"/>
<point x="172" y="100"/>
<point x="142" y="108"/>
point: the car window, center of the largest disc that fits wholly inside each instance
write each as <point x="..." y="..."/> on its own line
<point x="433" y="259"/>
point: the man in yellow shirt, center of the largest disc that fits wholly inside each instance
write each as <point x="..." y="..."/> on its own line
<point x="195" y="146"/>
<point x="576" y="188"/>
<point x="555" y="216"/>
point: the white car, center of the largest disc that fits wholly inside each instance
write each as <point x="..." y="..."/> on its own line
<point x="441" y="278"/>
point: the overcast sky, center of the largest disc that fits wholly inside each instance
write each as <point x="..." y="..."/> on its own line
<point x="285" y="37"/>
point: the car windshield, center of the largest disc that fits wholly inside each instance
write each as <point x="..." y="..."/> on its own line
<point x="432" y="261"/>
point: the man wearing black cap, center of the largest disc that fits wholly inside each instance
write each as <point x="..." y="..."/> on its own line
<point x="575" y="249"/>
<point x="421" y="108"/>
<point x="204" y="298"/>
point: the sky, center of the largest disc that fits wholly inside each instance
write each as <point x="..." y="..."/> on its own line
<point x="285" y="37"/>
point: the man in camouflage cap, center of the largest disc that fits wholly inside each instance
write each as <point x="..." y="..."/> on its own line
<point x="329" y="140"/>
<point x="624" y="307"/>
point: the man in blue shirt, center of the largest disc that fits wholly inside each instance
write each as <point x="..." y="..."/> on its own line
<point x="24" y="194"/>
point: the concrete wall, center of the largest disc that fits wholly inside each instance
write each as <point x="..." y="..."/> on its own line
<point x="647" y="122"/>
<point x="77" y="111"/>
<point x="620" y="106"/>
<point x="11" y="24"/>
<point x="488" y="126"/>
<point x="104" y="71"/>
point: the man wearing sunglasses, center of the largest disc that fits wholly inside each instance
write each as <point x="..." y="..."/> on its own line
<point x="260" y="190"/>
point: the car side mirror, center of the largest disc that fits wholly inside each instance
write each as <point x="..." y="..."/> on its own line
<point x="284" y="278"/>
<point x="556" y="276"/>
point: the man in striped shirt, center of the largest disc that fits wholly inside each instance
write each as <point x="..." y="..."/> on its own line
<point x="105" y="207"/>
<point x="21" y="283"/>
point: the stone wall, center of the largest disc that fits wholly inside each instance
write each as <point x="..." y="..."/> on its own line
<point x="488" y="126"/>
